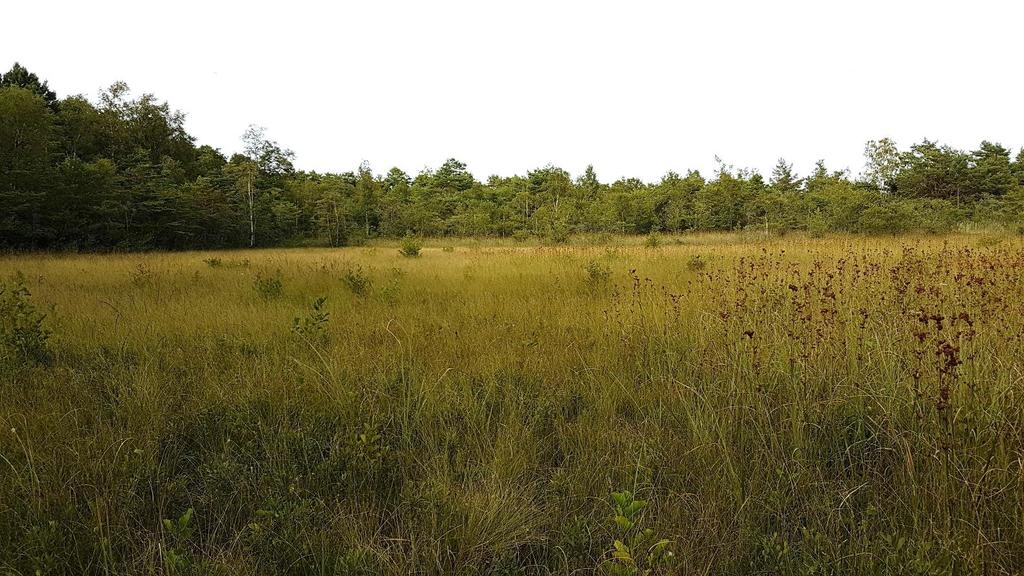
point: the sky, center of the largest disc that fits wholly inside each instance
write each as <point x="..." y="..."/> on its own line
<point x="635" y="88"/>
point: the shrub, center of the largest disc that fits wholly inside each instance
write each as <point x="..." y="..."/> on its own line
<point x="652" y="240"/>
<point x="313" y="327"/>
<point x="356" y="281"/>
<point x="22" y="334"/>
<point x="410" y="247"/>
<point x="393" y="285"/>
<point x="696" y="263"/>
<point x="142" y="275"/>
<point x="817" y="224"/>
<point x="992" y="238"/>
<point x="636" y="551"/>
<point x="558" y="233"/>
<point x="881" y="220"/>
<point x="597" y="274"/>
<point x="178" y="532"/>
<point x="268" y="287"/>
<point x="218" y="263"/>
<point x="935" y="216"/>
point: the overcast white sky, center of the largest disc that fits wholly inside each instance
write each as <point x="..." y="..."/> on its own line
<point x="634" y="87"/>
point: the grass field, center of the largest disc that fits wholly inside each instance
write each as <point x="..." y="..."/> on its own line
<point x="842" y="405"/>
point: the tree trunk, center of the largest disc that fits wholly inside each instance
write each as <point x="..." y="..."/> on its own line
<point x="252" y="217"/>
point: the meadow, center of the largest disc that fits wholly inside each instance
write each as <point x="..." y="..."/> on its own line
<point x="702" y="404"/>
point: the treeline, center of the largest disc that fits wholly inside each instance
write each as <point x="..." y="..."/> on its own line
<point x="122" y="173"/>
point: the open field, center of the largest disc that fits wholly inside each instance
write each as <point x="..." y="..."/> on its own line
<point x="842" y="405"/>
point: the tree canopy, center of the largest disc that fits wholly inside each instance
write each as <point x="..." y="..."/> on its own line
<point x="122" y="172"/>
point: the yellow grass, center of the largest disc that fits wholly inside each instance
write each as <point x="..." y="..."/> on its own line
<point x="785" y="404"/>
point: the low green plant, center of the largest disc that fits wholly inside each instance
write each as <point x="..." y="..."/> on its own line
<point x="313" y="326"/>
<point x="652" y="240"/>
<point x="636" y="551"/>
<point x="597" y="274"/>
<point x="215" y="262"/>
<point x="410" y="247"/>
<point x="696" y="263"/>
<point x="178" y="532"/>
<point x="357" y="281"/>
<point x="22" y="332"/>
<point x="268" y="287"/>
<point x="993" y="238"/>
<point x="392" y="287"/>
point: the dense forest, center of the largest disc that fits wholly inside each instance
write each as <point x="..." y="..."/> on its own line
<point x="122" y="173"/>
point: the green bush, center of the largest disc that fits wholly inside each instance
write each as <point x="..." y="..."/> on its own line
<point x="696" y="263"/>
<point x="879" y="219"/>
<point x="313" y="327"/>
<point x="268" y="287"/>
<point x="558" y="233"/>
<point x="636" y="551"/>
<point x="220" y="263"/>
<point x="597" y="275"/>
<point x="357" y="281"/>
<point x="817" y="224"/>
<point x="410" y="247"/>
<point x="22" y="333"/>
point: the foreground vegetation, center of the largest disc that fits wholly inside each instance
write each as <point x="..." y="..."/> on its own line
<point x="844" y="405"/>
<point x="123" y="173"/>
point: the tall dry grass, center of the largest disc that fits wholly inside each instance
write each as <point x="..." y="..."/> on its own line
<point x="785" y="405"/>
